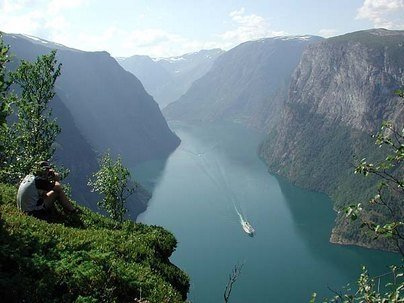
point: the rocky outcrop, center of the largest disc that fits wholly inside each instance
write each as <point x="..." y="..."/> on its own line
<point x="341" y="91"/>
<point x="350" y="79"/>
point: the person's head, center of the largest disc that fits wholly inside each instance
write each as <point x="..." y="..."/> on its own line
<point x="43" y="169"/>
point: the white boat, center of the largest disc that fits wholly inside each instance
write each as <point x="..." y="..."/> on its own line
<point x="245" y="224"/>
<point x="247" y="228"/>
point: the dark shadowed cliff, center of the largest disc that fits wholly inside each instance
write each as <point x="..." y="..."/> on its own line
<point x="109" y="105"/>
<point x="101" y="106"/>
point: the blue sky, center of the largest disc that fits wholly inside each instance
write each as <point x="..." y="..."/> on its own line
<point x="161" y="28"/>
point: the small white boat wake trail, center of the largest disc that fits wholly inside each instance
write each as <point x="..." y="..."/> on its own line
<point x="245" y="224"/>
<point x="209" y="170"/>
<point x="216" y="174"/>
<point x="239" y="215"/>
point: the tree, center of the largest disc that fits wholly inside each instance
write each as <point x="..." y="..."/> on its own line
<point x="113" y="182"/>
<point x="389" y="197"/>
<point x="369" y="290"/>
<point x="4" y="82"/>
<point x="29" y="139"/>
<point x="390" y="190"/>
<point x="4" y="95"/>
<point x="232" y="279"/>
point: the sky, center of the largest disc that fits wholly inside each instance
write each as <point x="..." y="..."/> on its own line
<point x="164" y="28"/>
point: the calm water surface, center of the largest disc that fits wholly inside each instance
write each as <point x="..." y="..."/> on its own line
<point x="195" y="192"/>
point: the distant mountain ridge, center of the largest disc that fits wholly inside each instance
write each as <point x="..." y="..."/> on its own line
<point x="102" y="103"/>
<point x="166" y="79"/>
<point x="246" y="84"/>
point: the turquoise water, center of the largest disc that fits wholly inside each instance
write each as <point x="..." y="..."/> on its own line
<point x="194" y="193"/>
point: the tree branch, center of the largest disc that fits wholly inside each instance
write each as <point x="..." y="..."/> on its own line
<point x="232" y="279"/>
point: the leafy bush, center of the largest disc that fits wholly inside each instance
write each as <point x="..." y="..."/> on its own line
<point x="369" y="289"/>
<point x="114" y="183"/>
<point x="29" y="138"/>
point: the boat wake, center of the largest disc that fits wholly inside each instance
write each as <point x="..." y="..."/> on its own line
<point x="215" y="173"/>
<point x="245" y="224"/>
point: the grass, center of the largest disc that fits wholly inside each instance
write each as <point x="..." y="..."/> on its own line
<point x="84" y="258"/>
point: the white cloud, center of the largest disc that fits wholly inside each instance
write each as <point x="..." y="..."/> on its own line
<point x="56" y="6"/>
<point x="153" y="42"/>
<point x="11" y="6"/>
<point x="328" y="32"/>
<point x="156" y="42"/>
<point x="151" y="36"/>
<point x="88" y="42"/>
<point x="28" y="23"/>
<point x="248" y="27"/>
<point x="48" y="19"/>
<point x="383" y="13"/>
<point x="37" y="17"/>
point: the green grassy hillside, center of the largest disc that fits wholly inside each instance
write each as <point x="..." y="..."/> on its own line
<point x="84" y="258"/>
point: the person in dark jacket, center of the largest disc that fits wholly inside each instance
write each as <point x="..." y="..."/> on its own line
<point x="38" y="193"/>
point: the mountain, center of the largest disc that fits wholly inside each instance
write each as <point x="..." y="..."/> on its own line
<point x="75" y="153"/>
<point x="166" y="79"/>
<point x="341" y="91"/>
<point x="104" y="106"/>
<point x="245" y="84"/>
<point x="152" y="75"/>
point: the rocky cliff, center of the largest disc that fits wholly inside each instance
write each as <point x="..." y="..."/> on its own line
<point x="75" y="153"/>
<point x="341" y="91"/>
<point x="247" y="84"/>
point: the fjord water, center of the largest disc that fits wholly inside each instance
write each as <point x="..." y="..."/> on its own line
<point x="195" y="190"/>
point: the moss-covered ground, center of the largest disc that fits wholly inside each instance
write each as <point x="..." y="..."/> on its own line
<point x="84" y="258"/>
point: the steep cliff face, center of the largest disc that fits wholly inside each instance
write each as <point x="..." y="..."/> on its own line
<point x="112" y="108"/>
<point x="76" y="154"/>
<point x="246" y="84"/>
<point x="340" y="93"/>
<point x="351" y="78"/>
<point x="109" y="105"/>
<point x="166" y="79"/>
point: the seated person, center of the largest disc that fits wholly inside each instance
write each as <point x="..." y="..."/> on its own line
<point x="39" y="191"/>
